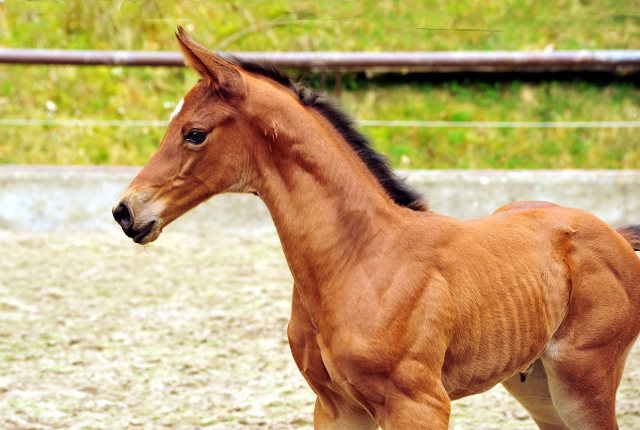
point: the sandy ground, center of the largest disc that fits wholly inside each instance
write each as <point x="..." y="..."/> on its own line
<point x="188" y="333"/>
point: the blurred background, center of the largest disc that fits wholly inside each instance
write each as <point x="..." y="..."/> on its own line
<point x="151" y="93"/>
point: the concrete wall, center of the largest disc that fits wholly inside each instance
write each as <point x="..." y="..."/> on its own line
<point x="51" y="198"/>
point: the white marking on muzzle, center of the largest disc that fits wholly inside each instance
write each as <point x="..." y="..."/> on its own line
<point x="177" y="110"/>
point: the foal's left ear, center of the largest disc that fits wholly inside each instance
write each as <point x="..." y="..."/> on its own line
<point x="220" y="75"/>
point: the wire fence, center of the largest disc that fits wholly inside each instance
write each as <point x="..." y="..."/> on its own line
<point x="363" y="123"/>
<point x="618" y="62"/>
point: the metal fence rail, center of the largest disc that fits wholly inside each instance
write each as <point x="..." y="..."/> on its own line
<point x="612" y="61"/>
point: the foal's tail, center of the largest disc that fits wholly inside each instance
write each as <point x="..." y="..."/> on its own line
<point x="632" y="234"/>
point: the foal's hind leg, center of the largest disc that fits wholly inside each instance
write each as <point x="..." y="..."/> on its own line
<point x="585" y="360"/>
<point x="583" y="388"/>
<point x="533" y="394"/>
<point x="584" y="371"/>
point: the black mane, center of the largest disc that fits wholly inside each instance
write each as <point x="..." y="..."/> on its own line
<point x="401" y="193"/>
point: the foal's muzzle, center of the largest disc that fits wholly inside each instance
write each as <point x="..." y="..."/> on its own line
<point x="124" y="216"/>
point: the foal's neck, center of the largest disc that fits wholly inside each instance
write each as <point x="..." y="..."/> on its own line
<point x="328" y="208"/>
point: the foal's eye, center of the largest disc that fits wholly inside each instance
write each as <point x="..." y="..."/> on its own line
<point x="196" y="137"/>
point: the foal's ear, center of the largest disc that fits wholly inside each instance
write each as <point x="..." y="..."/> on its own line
<point x="220" y="75"/>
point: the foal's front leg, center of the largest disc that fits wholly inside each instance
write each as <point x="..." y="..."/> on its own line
<point x="340" y="415"/>
<point x="414" y="397"/>
<point x="426" y="409"/>
<point x="332" y="410"/>
<point x="419" y="402"/>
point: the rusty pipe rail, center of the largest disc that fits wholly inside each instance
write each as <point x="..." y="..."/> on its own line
<point x="90" y="58"/>
<point x="612" y="61"/>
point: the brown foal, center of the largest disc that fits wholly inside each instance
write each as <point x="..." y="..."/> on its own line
<point x="398" y="310"/>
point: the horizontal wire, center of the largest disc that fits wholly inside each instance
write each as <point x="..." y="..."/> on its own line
<point x="364" y="123"/>
<point x="503" y="124"/>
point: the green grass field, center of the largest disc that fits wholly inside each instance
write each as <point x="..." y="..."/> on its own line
<point x="65" y="92"/>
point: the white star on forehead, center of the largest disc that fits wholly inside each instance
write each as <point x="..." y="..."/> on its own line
<point x="177" y="110"/>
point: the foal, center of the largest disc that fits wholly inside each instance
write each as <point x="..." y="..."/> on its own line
<point x="398" y="310"/>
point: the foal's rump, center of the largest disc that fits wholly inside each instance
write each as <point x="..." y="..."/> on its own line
<point x="535" y="276"/>
<point x="601" y="262"/>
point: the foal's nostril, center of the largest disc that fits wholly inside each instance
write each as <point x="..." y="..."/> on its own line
<point x="123" y="216"/>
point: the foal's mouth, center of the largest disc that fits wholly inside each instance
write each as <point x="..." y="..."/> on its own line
<point x="139" y="235"/>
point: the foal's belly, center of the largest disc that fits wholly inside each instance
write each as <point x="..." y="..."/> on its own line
<point x="505" y="317"/>
<point x="476" y="375"/>
<point x="495" y="343"/>
<point x="457" y="389"/>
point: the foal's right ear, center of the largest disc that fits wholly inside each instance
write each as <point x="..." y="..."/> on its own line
<point x="220" y="75"/>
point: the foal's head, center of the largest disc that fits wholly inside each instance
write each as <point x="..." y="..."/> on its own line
<point x="227" y="126"/>
<point x="204" y="151"/>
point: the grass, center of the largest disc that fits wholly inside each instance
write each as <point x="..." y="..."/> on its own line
<point x="356" y="25"/>
<point x="63" y="92"/>
<point x="506" y="101"/>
